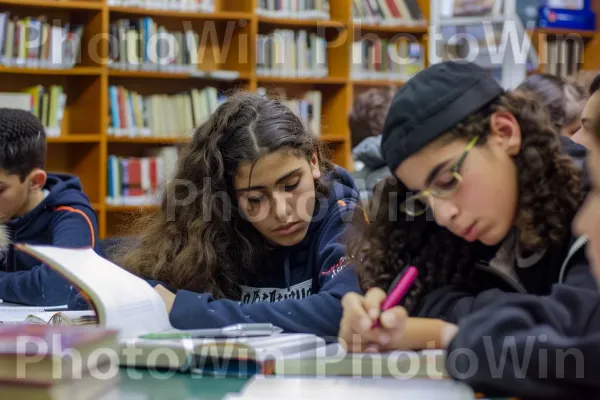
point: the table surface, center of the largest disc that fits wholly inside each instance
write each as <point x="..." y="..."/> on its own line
<point x="141" y="384"/>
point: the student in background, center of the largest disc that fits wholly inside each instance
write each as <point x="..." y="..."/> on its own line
<point x="565" y="100"/>
<point x="366" y="123"/>
<point x="486" y="199"/>
<point x="253" y="228"/>
<point x="37" y="208"/>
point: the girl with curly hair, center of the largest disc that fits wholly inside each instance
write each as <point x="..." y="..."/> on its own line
<point x="250" y="228"/>
<point x="481" y="202"/>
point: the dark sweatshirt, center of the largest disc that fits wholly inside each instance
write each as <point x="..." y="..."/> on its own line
<point x="64" y="218"/>
<point x="535" y="337"/>
<point x="299" y="288"/>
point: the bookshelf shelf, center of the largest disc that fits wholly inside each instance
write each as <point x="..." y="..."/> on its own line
<point x="81" y="138"/>
<point x="149" y="140"/>
<point x="377" y="82"/>
<point x="300" y="23"/>
<point x="333" y="138"/>
<point x="79" y="71"/>
<point x="565" y="32"/>
<point x="151" y="12"/>
<point x="168" y="75"/>
<point x="47" y="4"/>
<point x="301" y="81"/>
<point x="417" y="30"/>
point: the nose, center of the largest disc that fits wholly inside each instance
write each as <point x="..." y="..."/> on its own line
<point x="281" y="206"/>
<point x="444" y="211"/>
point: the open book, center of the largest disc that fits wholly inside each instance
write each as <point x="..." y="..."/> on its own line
<point x="127" y="303"/>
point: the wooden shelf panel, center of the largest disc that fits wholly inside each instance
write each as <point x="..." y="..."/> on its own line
<point x="417" y="30"/>
<point x="170" y="75"/>
<point x="301" y="23"/>
<point x="302" y="81"/>
<point x="333" y="138"/>
<point x="69" y="5"/>
<point x="377" y="82"/>
<point x="217" y="16"/>
<point x="79" y="71"/>
<point x="149" y="140"/>
<point x="565" y="32"/>
<point x="81" y="138"/>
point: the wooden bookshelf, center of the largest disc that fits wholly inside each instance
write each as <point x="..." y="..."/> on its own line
<point x="84" y="143"/>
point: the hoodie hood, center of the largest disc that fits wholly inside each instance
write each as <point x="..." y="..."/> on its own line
<point x="578" y="153"/>
<point x="62" y="190"/>
<point x="369" y="152"/>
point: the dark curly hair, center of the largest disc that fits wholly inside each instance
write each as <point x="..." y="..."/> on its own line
<point x="207" y="246"/>
<point x="368" y="113"/>
<point x="22" y="142"/>
<point x="549" y="186"/>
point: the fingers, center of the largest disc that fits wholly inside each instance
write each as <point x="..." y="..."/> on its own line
<point x="394" y="318"/>
<point x="373" y="300"/>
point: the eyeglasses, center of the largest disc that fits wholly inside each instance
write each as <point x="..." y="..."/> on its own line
<point x="444" y="185"/>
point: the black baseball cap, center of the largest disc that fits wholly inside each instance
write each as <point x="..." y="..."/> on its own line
<point x="432" y="103"/>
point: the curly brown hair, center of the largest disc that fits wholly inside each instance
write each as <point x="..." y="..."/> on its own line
<point x="550" y="193"/>
<point x="368" y="113"/>
<point x="207" y="245"/>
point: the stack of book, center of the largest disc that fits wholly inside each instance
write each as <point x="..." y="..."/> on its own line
<point x="57" y="362"/>
<point x="291" y="53"/>
<point x="301" y="9"/>
<point x="387" y="12"/>
<point x="143" y="45"/>
<point x="176" y="5"/>
<point x="396" y="60"/>
<point x="47" y="104"/>
<point x="37" y="42"/>
<point x="159" y="115"/>
<point x="307" y="108"/>
<point x="139" y="180"/>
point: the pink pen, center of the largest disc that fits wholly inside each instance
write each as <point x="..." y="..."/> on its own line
<point x="398" y="290"/>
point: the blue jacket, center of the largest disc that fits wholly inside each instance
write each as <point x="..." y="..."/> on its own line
<point x="298" y="288"/>
<point x="64" y="218"/>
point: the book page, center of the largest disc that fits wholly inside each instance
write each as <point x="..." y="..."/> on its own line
<point x="123" y="300"/>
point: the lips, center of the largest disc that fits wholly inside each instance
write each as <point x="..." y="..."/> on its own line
<point x="287" y="228"/>
<point x="470" y="234"/>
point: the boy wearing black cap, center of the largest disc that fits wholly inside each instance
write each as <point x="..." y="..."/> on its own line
<point x="489" y="167"/>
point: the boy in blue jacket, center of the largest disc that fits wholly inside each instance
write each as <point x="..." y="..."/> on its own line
<point x="37" y="208"/>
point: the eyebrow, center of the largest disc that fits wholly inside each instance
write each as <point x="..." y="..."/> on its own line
<point x="281" y="179"/>
<point x="434" y="171"/>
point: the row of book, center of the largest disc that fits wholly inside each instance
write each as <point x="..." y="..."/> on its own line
<point x="38" y="42"/>
<point x="308" y="108"/>
<point x="142" y="44"/>
<point x="387" y="12"/>
<point x="296" y="9"/>
<point x="562" y="57"/>
<point x="139" y="180"/>
<point x="46" y="103"/>
<point x="174" y="5"/>
<point x="399" y="59"/>
<point x="159" y="115"/>
<point x="291" y="53"/>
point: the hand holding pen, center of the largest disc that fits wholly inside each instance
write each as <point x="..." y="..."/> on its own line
<point x="375" y="322"/>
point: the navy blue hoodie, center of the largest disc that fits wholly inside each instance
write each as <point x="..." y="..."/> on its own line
<point x="300" y="288"/>
<point x="64" y="218"/>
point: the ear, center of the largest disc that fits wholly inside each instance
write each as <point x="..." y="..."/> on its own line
<point x="314" y="166"/>
<point x="37" y="179"/>
<point x="505" y="132"/>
